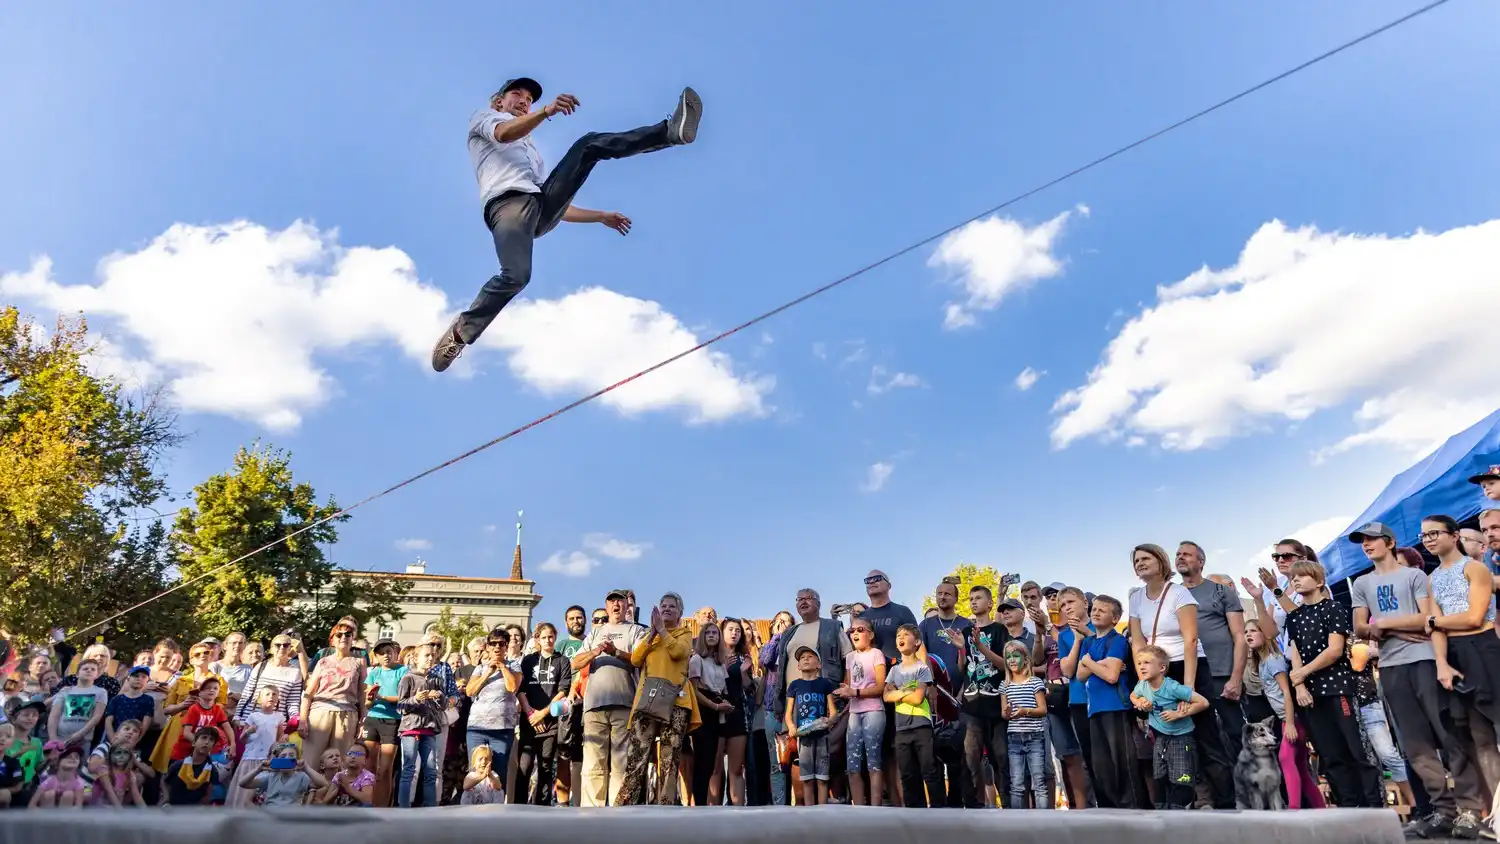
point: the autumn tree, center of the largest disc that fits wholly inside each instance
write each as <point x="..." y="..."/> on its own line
<point x="259" y="503"/>
<point x="970" y="575"/>
<point x="458" y="629"/>
<point x="78" y="456"/>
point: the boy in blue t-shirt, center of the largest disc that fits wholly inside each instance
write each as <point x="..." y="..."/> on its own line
<point x="1172" y="706"/>
<point x="1101" y="666"/>
<point x="383" y="721"/>
<point x="809" y="702"/>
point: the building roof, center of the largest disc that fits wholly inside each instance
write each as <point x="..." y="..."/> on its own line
<point x="410" y="576"/>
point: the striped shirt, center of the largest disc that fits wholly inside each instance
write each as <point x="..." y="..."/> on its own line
<point x="1022" y="695"/>
<point x="286" y="679"/>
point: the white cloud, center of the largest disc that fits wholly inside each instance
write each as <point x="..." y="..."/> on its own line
<point x="1027" y="379"/>
<point x="613" y="547"/>
<point x="1305" y="321"/>
<point x="413" y="545"/>
<point x="820" y="351"/>
<point x="882" y="381"/>
<point x="859" y="353"/>
<point x="574" y="564"/>
<point x="993" y="257"/>
<point x="1315" y="535"/>
<point x="877" y="475"/>
<point x="241" y="320"/>
<point x="491" y="528"/>
<point x="595" y="336"/>
<point x="232" y="316"/>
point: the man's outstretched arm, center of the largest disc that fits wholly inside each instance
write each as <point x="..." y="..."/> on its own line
<point x="614" y="219"/>
<point x="517" y="128"/>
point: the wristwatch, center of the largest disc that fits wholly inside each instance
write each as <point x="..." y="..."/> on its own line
<point x="1277" y="592"/>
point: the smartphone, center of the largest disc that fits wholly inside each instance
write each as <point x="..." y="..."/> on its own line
<point x="283" y="763"/>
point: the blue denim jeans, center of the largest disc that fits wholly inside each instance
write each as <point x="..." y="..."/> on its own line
<point x="500" y="742"/>
<point x="1028" y="766"/>
<point x="1378" y="733"/>
<point x="418" y="750"/>
<point x="862" y="740"/>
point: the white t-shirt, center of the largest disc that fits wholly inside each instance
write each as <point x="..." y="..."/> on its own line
<point x="1167" y="632"/>
<point x="502" y="167"/>
<point x="259" y="743"/>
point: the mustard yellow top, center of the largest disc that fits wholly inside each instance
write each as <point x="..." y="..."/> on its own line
<point x="667" y="657"/>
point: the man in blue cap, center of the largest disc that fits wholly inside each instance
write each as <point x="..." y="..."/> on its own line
<point x="521" y="205"/>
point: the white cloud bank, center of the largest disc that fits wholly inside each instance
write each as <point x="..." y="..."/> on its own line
<point x="574" y="564"/>
<point x="238" y="319"/>
<point x="595" y="545"/>
<point x="992" y="257"/>
<point x="1306" y="321"/>
<point x="614" y="547"/>
<point x="1027" y="379"/>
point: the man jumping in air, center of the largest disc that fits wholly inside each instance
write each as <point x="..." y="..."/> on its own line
<point x="520" y="205"/>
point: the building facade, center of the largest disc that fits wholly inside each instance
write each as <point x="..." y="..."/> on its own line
<point x="497" y="600"/>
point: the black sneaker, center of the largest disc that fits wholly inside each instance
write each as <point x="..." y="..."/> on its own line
<point x="682" y="127"/>
<point x="1466" y="827"/>
<point x="1432" y="826"/>
<point x="448" y="348"/>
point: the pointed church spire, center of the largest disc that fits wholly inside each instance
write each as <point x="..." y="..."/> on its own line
<point x="515" y="563"/>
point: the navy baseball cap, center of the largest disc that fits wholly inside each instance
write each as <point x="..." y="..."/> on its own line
<point x="525" y="83"/>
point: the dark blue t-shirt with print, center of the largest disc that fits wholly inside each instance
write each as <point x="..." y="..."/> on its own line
<point x="810" y="699"/>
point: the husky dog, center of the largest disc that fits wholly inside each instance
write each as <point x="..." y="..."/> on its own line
<point x="1257" y="773"/>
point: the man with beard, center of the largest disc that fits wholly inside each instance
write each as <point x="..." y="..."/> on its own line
<point x="1221" y="631"/>
<point x="569" y="727"/>
<point x="573" y="620"/>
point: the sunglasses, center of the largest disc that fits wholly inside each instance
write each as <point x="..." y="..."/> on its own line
<point x="281" y="644"/>
<point x="601" y="619"/>
<point x="1279" y="557"/>
<point x="343" y="634"/>
<point x="878" y="578"/>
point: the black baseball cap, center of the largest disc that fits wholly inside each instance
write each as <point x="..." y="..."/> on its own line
<point x="525" y="83"/>
<point x="1369" y="529"/>
<point x="1011" y="604"/>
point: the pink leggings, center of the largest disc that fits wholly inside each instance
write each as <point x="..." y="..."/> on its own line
<point x="1301" y="785"/>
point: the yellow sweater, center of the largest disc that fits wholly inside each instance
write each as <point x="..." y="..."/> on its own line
<point x="667" y="657"/>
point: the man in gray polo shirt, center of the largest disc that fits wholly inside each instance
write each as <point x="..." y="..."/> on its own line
<point x="521" y="206"/>
<point x="1391" y="606"/>
<point x="607" y="700"/>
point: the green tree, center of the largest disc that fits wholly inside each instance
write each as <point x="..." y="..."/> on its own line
<point x="77" y="455"/>
<point x="970" y="575"/>
<point x="236" y="512"/>
<point x="368" y="598"/>
<point x="458" y="630"/>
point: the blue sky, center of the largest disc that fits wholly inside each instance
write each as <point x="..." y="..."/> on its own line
<point x="1278" y="392"/>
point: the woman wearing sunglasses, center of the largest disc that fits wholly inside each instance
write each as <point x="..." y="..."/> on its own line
<point x="333" y="704"/>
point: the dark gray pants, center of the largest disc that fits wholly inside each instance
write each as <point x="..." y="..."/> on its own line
<point x="516" y="219"/>
<point x="1424" y="725"/>
<point x="1231" y="716"/>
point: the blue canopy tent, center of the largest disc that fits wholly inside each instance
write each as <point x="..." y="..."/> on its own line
<point x="1438" y="484"/>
